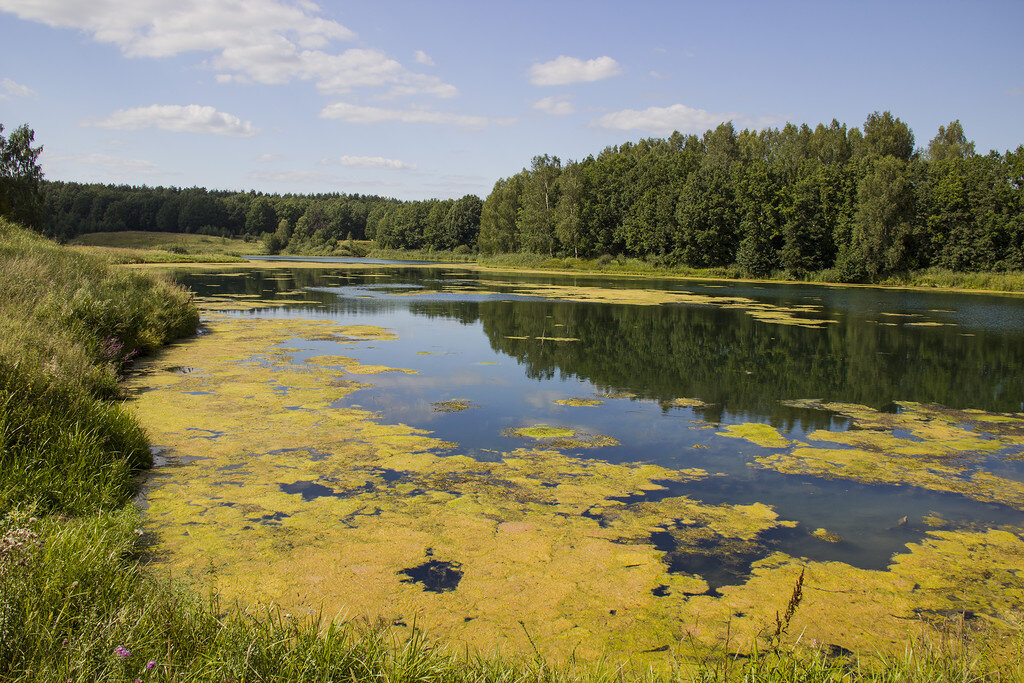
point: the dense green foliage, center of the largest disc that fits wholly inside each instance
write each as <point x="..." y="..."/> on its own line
<point x="795" y="199"/>
<point x="20" y="177"/>
<point x="291" y="224"/>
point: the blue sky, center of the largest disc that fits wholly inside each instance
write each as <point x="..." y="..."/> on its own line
<point x="441" y="98"/>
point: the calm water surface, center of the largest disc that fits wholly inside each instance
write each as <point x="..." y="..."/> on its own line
<point x="463" y="345"/>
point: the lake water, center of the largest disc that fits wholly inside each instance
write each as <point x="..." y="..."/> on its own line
<point x="502" y="345"/>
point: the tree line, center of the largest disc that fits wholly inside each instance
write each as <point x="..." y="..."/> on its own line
<point x="861" y="202"/>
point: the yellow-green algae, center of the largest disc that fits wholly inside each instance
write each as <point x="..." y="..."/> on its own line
<point x="541" y="431"/>
<point x="454" y="405"/>
<point x="826" y="535"/>
<point x="580" y="402"/>
<point x="800" y="315"/>
<point x="684" y="403"/>
<point x="756" y="432"/>
<point x="928" y="446"/>
<point x="517" y="526"/>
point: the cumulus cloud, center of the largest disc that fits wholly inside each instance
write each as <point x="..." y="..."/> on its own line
<point x="262" y="41"/>
<point x="423" y="58"/>
<point x="353" y="113"/>
<point x="190" y="118"/>
<point x="664" y="120"/>
<point x="370" y="162"/>
<point x="565" y="70"/>
<point x="10" y="89"/>
<point x="556" y="104"/>
<point x="104" y="161"/>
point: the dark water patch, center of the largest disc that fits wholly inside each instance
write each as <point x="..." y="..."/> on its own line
<point x="235" y="466"/>
<point x="198" y="393"/>
<point x="271" y="519"/>
<point x="661" y="591"/>
<point x="311" y="490"/>
<point x="719" y="560"/>
<point x="389" y="476"/>
<point x="180" y="369"/>
<point x="167" y="457"/>
<point x="437" y="576"/>
<point x="601" y="519"/>
<point x="210" y="433"/>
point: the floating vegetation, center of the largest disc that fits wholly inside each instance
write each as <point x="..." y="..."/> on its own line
<point x="756" y="432"/>
<point x="328" y="508"/>
<point x="802" y="315"/>
<point x="454" y="405"/>
<point x="684" y="403"/>
<point x="541" y="431"/>
<point x="826" y="535"/>
<point x="579" y="402"/>
<point x="927" y="446"/>
<point x="355" y="367"/>
<point x="552" y="339"/>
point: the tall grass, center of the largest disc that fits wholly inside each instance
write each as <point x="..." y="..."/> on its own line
<point x="69" y="324"/>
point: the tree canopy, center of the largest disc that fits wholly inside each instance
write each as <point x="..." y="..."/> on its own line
<point x="20" y="177"/>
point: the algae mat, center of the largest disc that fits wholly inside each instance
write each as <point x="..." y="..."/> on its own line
<point x="273" y="493"/>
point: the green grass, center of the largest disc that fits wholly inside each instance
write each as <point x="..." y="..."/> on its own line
<point x="80" y="601"/>
<point x="135" y="246"/>
<point x="69" y="324"/>
<point x="181" y="242"/>
<point x="441" y="256"/>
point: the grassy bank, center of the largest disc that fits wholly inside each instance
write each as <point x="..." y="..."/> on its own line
<point x="76" y="599"/>
<point x="135" y="246"/>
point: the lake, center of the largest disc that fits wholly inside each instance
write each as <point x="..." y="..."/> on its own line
<point x="648" y="462"/>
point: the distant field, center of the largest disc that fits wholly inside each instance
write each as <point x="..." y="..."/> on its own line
<point x="179" y="242"/>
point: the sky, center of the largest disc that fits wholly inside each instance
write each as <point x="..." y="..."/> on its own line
<point x="440" y="98"/>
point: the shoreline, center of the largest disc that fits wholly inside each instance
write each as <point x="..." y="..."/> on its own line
<point x="482" y="268"/>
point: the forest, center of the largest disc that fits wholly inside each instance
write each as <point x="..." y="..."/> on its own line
<point x="859" y="202"/>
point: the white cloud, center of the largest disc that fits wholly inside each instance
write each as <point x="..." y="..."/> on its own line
<point x="104" y="161"/>
<point x="267" y="158"/>
<point x="664" y="120"/>
<point x="565" y="70"/>
<point x="556" y="104"/>
<point x="353" y="113"/>
<point x="423" y="58"/>
<point x="190" y="118"/>
<point x="371" y="162"/>
<point x="262" y="41"/>
<point x="10" y="89"/>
